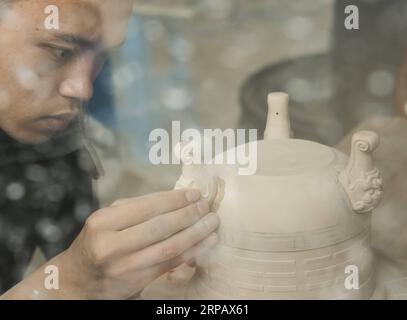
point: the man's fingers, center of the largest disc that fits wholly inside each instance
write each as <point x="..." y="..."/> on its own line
<point x="159" y="228"/>
<point x="129" y="212"/>
<point x="174" y="246"/>
<point x="121" y="202"/>
<point x="197" y="250"/>
<point x="201" y="248"/>
<point x="142" y="278"/>
<point x="179" y="243"/>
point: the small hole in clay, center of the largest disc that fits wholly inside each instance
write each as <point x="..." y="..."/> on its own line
<point x="277" y="113"/>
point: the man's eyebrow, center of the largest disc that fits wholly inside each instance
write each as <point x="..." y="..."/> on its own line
<point x="75" y="40"/>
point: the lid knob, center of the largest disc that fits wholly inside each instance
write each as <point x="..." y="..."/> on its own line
<point x="278" y="119"/>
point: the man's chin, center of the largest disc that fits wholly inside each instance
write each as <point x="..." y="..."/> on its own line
<point x="41" y="134"/>
<point x="32" y="137"/>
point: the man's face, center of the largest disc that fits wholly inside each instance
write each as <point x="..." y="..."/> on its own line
<point x="47" y="75"/>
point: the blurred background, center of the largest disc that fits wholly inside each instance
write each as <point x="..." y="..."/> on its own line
<point x="211" y="63"/>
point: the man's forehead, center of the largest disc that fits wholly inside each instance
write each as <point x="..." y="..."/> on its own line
<point x="115" y="16"/>
<point x="93" y="20"/>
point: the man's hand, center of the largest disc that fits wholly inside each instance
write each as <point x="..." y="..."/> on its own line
<point x="124" y="247"/>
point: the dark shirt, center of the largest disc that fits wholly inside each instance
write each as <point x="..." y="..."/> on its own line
<point x="45" y="197"/>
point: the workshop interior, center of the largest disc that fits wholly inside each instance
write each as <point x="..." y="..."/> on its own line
<point x="323" y="83"/>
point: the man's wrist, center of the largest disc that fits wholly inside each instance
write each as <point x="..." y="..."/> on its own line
<point x="73" y="281"/>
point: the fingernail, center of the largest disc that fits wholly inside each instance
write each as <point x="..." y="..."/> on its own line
<point x="193" y="195"/>
<point x="211" y="221"/>
<point x="203" y="207"/>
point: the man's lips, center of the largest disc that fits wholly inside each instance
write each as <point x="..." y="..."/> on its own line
<point x="60" y="122"/>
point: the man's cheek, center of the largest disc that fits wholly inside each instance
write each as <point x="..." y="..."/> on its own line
<point x="27" y="78"/>
<point x="43" y="92"/>
<point x="5" y="100"/>
<point x="34" y="87"/>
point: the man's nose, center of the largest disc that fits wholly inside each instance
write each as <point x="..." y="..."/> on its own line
<point x="79" y="84"/>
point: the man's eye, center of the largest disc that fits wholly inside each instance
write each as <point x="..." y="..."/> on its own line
<point x="63" y="54"/>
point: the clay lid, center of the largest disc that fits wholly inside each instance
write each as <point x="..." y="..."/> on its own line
<point x="290" y="156"/>
<point x="279" y="154"/>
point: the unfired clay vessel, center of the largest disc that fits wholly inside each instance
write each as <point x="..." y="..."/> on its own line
<point x="298" y="227"/>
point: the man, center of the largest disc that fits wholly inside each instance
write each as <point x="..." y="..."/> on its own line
<point x="46" y="78"/>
